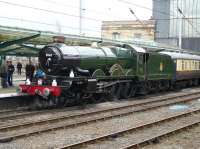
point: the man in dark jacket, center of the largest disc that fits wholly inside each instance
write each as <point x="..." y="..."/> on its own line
<point x="3" y="74"/>
<point x="19" y="68"/>
<point x="11" y="69"/>
<point x="30" y="70"/>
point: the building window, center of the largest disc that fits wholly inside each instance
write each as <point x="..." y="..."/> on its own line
<point x="137" y="35"/>
<point x="115" y="36"/>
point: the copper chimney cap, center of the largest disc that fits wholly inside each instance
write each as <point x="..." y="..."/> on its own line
<point x="59" y="39"/>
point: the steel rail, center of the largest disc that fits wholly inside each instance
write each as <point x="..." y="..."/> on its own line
<point x="76" y="122"/>
<point x="153" y="138"/>
<point x="64" y="117"/>
<point x="6" y="111"/>
<point x="135" y="128"/>
<point x="135" y="103"/>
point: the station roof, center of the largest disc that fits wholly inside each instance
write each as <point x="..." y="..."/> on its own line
<point x="26" y="42"/>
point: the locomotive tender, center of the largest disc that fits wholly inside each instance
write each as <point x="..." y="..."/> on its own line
<point x="77" y="72"/>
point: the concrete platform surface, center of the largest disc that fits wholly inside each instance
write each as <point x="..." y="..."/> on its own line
<point x="11" y="91"/>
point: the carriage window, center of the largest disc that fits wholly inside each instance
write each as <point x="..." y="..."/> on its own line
<point x="177" y="62"/>
<point x="196" y="65"/>
<point x="199" y="65"/>
<point x="193" y="65"/>
<point x="185" y="65"/>
<point x="182" y="64"/>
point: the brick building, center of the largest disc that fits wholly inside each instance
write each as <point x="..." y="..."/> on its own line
<point x="128" y="30"/>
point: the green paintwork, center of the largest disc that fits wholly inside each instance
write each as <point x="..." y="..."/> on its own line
<point x="121" y="62"/>
<point x="115" y="60"/>
<point x="1" y="60"/>
<point x="98" y="73"/>
<point x="159" y="66"/>
<point x="129" y="72"/>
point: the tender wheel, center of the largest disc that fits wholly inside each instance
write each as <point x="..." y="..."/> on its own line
<point x="96" y="98"/>
<point x="119" y="91"/>
<point x="116" y="91"/>
<point x="132" y="90"/>
<point x="113" y="91"/>
<point x="167" y="85"/>
<point x="125" y="90"/>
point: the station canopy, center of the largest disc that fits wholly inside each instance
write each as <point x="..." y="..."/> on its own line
<point x="27" y="42"/>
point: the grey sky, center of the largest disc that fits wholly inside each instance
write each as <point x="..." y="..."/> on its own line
<point x="64" y="14"/>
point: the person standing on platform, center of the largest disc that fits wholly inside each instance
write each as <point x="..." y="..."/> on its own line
<point x="3" y="74"/>
<point x="39" y="74"/>
<point x="19" y="68"/>
<point x="11" y="70"/>
<point x="30" y="71"/>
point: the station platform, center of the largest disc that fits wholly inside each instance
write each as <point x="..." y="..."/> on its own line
<point x="11" y="91"/>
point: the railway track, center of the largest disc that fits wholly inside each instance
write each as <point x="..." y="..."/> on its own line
<point x="8" y="111"/>
<point x="25" y="128"/>
<point x="23" y="112"/>
<point x="137" y="136"/>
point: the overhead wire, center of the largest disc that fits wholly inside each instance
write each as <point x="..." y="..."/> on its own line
<point x="94" y="19"/>
<point x="72" y="15"/>
<point x="76" y="7"/>
<point x="67" y="14"/>
<point x="49" y="11"/>
<point x="143" y="7"/>
<point x="188" y="19"/>
<point x="41" y="9"/>
<point x="161" y="12"/>
<point x="190" y="24"/>
<point x="44" y="23"/>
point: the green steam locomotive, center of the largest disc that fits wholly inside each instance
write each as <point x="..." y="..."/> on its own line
<point x="75" y="73"/>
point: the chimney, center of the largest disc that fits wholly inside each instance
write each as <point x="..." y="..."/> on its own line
<point x="59" y="39"/>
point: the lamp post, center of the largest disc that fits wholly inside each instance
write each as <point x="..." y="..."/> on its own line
<point x="180" y="28"/>
<point x="80" y="17"/>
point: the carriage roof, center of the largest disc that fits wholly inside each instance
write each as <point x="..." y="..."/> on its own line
<point x="179" y="55"/>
